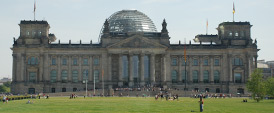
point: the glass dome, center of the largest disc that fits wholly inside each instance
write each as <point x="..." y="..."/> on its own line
<point x="130" y="21"/>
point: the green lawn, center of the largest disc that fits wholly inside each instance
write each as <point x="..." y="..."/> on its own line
<point x="134" y="104"/>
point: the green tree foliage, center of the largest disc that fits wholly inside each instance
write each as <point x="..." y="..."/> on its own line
<point x="256" y="85"/>
<point x="270" y="87"/>
<point x="3" y="89"/>
<point x="7" y="84"/>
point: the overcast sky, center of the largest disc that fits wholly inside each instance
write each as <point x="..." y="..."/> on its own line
<point x="83" y="19"/>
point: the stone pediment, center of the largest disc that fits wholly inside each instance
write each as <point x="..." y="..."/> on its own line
<point x="137" y="42"/>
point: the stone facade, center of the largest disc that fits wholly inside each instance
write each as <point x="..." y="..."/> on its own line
<point x="123" y="60"/>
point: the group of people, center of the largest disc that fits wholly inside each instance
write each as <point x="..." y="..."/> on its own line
<point x="72" y="96"/>
<point x="175" y="97"/>
<point x="5" y="99"/>
<point x="212" y="95"/>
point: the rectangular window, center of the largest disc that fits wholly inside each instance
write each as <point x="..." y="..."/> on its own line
<point x="32" y="76"/>
<point x="216" y="62"/>
<point x="96" y="61"/>
<point x="195" y="62"/>
<point x="184" y="63"/>
<point x="74" y="61"/>
<point x="205" y="62"/>
<point x="53" y="61"/>
<point x="238" y="77"/>
<point x="64" y="62"/>
<point x="174" y="62"/>
<point x="85" y="61"/>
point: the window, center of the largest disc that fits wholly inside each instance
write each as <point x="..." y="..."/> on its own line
<point x="216" y="62"/>
<point x="174" y="76"/>
<point x="195" y="76"/>
<point x="85" y="61"/>
<point x="242" y="34"/>
<point x="216" y="76"/>
<point x="53" y="74"/>
<point x="96" y="61"/>
<point x="236" y="34"/>
<point x="184" y="76"/>
<point x="75" y="76"/>
<point x="229" y="33"/>
<point x="74" y="61"/>
<point x="39" y="33"/>
<point x="238" y="77"/>
<point x="52" y="90"/>
<point x="85" y="76"/>
<point x="206" y="76"/>
<point x="184" y="61"/>
<point x="195" y="62"/>
<point x="240" y="90"/>
<point x="96" y="75"/>
<point x="64" y="89"/>
<point x="206" y="89"/>
<point x="64" y="61"/>
<point x="32" y="76"/>
<point x="218" y="90"/>
<point x="53" y="61"/>
<point x="33" y="33"/>
<point x="174" y="62"/>
<point x="64" y="75"/>
<point x="74" y="89"/>
<point x="205" y="62"/>
<point x="32" y="61"/>
<point x="237" y="62"/>
<point x="27" y="33"/>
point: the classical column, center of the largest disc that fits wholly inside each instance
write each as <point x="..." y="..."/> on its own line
<point x="14" y="68"/>
<point x="59" y="69"/>
<point x="41" y="63"/>
<point x="131" y="66"/>
<point x="120" y="83"/>
<point x="142" y="68"/>
<point x="69" y="69"/>
<point x="230" y="68"/>
<point x="180" y="62"/>
<point x="80" y="74"/>
<point x="23" y="70"/>
<point x="46" y="75"/>
<point x="90" y="69"/>
<point x="211" y="69"/>
<point x="152" y="68"/>
<point x="109" y="68"/>
<point x="190" y="69"/>
<point x="200" y="70"/>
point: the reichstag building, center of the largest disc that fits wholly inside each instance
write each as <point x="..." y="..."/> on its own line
<point x="132" y="53"/>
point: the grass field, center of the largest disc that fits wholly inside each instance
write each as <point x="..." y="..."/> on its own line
<point x="134" y="104"/>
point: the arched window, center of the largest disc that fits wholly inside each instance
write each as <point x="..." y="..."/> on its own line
<point x="174" y="76"/>
<point x="96" y="75"/>
<point x="85" y="76"/>
<point x="53" y="76"/>
<point x="236" y="34"/>
<point x="75" y="76"/>
<point x="64" y="75"/>
<point x="206" y="76"/>
<point x="229" y="33"/>
<point x="64" y="61"/>
<point x="184" y="76"/>
<point x="238" y="61"/>
<point x="242" y="34"/>
<point x="195" y="76"/>
<point x="216" y="76"/>
<point x="32" y="61"/>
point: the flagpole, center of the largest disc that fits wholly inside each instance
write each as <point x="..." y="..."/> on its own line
<point x="206" y="26"/>
<point x="34" y="9"/>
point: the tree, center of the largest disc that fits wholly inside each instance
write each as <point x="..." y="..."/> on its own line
<point x="3" y="89"/>
<point x="270" y="87"/>
<point x="7" y="84"/>
<point x="256" y="85"/>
